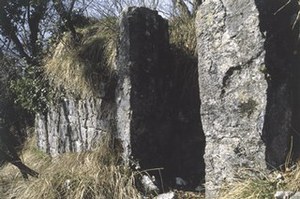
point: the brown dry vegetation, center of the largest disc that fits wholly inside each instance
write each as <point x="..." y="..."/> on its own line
<point x="79" y="68"/>
<point x="183" y="34"/>
<point x="86" y="175"/>
<point x="264" y="185"/>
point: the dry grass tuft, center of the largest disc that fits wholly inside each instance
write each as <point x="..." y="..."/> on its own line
<point x="264" y="186"/>
<point x="79" y="68"/>
<point x="87" y="175"/>
<point x="291" y="178"/>
<point x="250" y="189"/>
<point x="183" y="34"/>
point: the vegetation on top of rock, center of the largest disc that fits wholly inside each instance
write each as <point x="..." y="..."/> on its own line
<point x="80" y="67"/>
<point x="28" y="30"/>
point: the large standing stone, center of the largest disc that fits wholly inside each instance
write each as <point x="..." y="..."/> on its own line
<point x="232" y="88"/>
<point x="158" y="119"/>
<point x="143" y="109"/>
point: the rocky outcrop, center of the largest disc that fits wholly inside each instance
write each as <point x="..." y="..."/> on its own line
<point x="152" y="112"/>
<point x="233" y="89"/>
<point x="74" y="125"/>
<point x="248" y="57"/>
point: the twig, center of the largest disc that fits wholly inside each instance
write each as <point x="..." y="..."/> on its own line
<point x="288" y="157"/>
<point x="282" y="7"/>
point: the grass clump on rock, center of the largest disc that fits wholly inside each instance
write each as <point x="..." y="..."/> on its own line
<point x="80" y="67"/>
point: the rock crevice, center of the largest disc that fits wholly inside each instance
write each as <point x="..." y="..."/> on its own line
<point x="279" y="23"/>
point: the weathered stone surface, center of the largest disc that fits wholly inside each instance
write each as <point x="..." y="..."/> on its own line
<point x="156" y="125"/>
<point x="74" y="125"/>
<point x="169" y="195"/>
<point x="232" y="89"/>
<point x="144" y="119"/>
<point x="283" y="194"/>
<point x="296" y="196"/>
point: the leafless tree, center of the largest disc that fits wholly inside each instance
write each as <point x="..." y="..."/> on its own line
<point x="65" y="13"/>
<point x="9" y="154"/>
<point x="168" y="8"/>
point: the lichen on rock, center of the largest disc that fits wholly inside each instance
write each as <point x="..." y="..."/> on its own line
<point x="232" y="89"/>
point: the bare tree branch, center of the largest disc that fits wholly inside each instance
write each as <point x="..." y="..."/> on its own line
<point x="66" y="17"/>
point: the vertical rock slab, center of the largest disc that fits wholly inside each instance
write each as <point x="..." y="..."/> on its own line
<point x="143" y="107"/>
<point x="158" y="120"/>
<point x="232" y="89"/>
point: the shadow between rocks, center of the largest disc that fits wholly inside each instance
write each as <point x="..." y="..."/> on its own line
<point x="281" y="132"/>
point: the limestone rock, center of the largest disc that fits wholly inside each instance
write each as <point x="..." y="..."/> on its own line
<point x="142" y="85"/>
<point x="155" y="124"/>
<point x="169" y="195"/>
<point x="295" y="196"/>
<point x="283" y="195"/>
<point x="148" y="184"/>
<point x="232" y="89"/>
<point x="74" y="125"/>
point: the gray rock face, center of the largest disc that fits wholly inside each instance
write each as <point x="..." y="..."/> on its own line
<point x="296" y="196"/>
<point x="284" y="195"/>
<point x="74" y="125"/>
<point x="232" y="89"/>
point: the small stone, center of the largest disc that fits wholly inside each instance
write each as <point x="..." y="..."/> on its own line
<point x="296" y="196"/>
<point x="283" y="194"/>
<point x="148" y="184"/>
<point x="169" y="195"/>
<point x="279" y="177"/>
<point x="68" y="184"/>
<point x="180" y="181"/>
<point x="199" y="188"/>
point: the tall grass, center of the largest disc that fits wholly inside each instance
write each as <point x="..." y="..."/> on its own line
<point x="87" y="175"/>
<point x="79" y="68"/>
